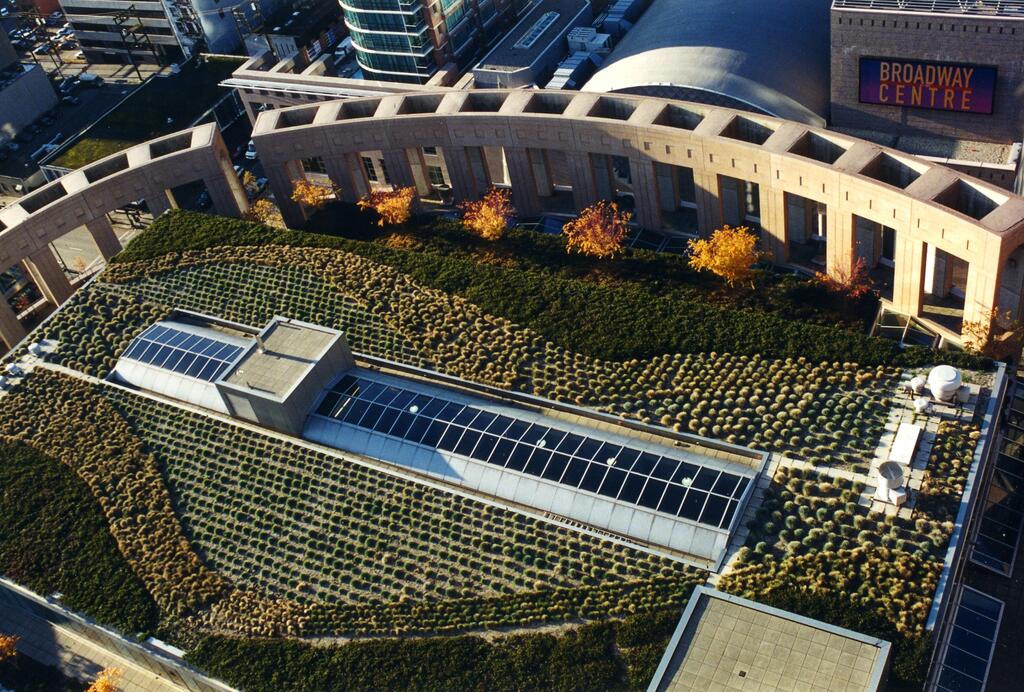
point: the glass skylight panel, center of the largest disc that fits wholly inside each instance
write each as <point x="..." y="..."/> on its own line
<point x="1003" y="517"/>
<point x="182" y="352"/>
<point x="628" y="475"/>
<point x="967" y="657"/>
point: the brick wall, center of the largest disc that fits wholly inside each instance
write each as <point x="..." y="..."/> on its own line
<point x="977" y="40"/>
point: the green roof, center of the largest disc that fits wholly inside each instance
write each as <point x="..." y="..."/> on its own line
<point x="144" y="114"/>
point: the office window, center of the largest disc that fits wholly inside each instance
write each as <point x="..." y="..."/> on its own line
<point x="371" y="172"/>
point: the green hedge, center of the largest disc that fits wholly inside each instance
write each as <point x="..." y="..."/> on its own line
<point x="632" y="319"/>
<point x="582" y="660"/>
<point x="53" y="537"/>
<point x="596" y="656"/>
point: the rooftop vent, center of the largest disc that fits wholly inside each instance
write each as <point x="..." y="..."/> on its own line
<point x="106" y="168"/>
<point x="552" y="103"/>
<point x="747" y="130"/>
<point x="814" y="146"/>
<point x="891" y="170"/>
<point x="968" y="199"/>
<point x="679" y="117"/>
<point x="535" y="32"/>
<point x="482" y="102"/>
<point x="612" y="108"/>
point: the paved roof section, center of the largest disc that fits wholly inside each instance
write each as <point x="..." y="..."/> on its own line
<point x="727" y="642"/>
<point x="770" y="57"/>
<point x="512" y="53"/>
<point x="289" y="351"/>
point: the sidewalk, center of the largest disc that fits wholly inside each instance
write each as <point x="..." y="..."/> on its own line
<point x="75" y="656"/>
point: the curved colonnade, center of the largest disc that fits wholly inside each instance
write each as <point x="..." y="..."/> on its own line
<point x="148" y="171"/>
<point x="582" y="147"/>
<point x="872" y="201"/>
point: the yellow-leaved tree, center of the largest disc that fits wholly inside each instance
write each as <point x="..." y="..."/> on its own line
<point x="263" y="211"/>
<point x="729" y="253"/>
<point x="8" y="646"/>
<point x="312" y="194"/>
<point x="393" y="207"/>
<point x="488" y="216"/>
<point x="106" y="681"/>
<point x="598" y="231"/>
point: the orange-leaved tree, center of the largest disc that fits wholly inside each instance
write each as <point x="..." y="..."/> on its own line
<point x="854" y="282"/>
<point x="598" y="231"/>
<point x="261" y="211"/>
<point x="312" y="194"/>
<point x="394" y="207"/>
<point x="729" y="253"/>
<point x="488" y="216"/>
<point x="106" y="681"/>
<point x="8" y="646"/>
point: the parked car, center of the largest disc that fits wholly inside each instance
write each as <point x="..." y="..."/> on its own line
<point x="89" y="79"/>
<point x="71" y="100"/>
<point x="69" y="45"/>
<point x="41" y="49"/>
<point x="250" y="151"/>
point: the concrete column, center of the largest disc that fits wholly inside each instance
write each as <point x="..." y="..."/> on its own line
<point x="227" y="193"/>
<point x="103" y="233"/>
<point x="668" y="188"/>
<point x="11" y="329"/>
<point x="494" y="160"/>
<point x="360" y="180"/>
<point x="981" y="297"/>
<point x="645" y="193"/>
<point x="584" y="189"/>
<point x="478" y="167"/>
<point x="938" y="278"/>
<point x="524" y="188"/>
<point x="419" y="172"/>
<point x="340" y="173"/>
<point x="399" y="171"/>
<point x="541" y="174"/>
<point x="840" y="241"/>
<point x="908" y="275"/>
<point x="159" y="200"/>
<point x="460" y="173"/>
<point x="709" y="209"/>
<point x="279" y="178"/>
<point x="48" y="276"/>
<point x="773" y="223"/>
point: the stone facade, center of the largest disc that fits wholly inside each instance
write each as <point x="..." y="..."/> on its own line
<point x="147" y="171"/>
<point x="721" y="159"/>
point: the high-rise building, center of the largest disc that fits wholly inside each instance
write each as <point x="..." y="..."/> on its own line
<point x="113" y="31"/>
<point x="409" y="40"/>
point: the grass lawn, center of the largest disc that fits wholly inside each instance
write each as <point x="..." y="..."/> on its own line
<point x="144" y="114"/>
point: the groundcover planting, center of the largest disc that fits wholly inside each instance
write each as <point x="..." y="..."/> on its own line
<point x="237" y="544"/>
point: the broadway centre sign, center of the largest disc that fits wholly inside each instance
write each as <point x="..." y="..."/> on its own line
<point x="920" y="84"/>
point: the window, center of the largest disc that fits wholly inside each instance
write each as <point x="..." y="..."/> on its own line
<point x="384" y="172"/>
<point x="313" y="164"/>
<point x="371" y="172"/>
<point x="430" y="151"/>
<point x="436" y="175"/>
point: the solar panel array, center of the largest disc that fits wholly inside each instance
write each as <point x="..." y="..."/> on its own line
<point x="661" y="483"/>
<point x="967" y="657"/>
<point x="182" y="352"/>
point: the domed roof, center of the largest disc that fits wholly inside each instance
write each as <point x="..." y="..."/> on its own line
<point x="767" y="57"/>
